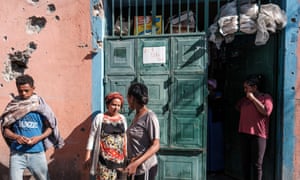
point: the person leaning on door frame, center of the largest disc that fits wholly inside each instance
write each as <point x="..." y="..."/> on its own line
<point x="255" y="110"/>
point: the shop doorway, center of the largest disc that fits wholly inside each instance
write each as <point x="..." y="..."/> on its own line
<point x="229" y="66"/>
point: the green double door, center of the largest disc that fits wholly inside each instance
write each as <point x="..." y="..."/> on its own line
<point x="175" y="71"/>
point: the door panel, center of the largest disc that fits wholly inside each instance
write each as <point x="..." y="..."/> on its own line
<point x="178" y="167"/>
<point x="119" y="57"/>
<point x="158" y="102"/>
<point x="190" y="54"/>
<point x="187" y="131"/>
<point x="188" y="94"/>
<point x="157" y="91"/>
<point x="150" y="45"/>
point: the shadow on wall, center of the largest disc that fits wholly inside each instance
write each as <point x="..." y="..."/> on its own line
<point x="67" y="162"/>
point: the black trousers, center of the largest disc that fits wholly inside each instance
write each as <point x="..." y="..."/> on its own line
<point x="253" y="150"/>
<point x="151" y="175"/>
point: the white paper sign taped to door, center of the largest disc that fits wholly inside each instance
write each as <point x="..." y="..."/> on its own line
<point x="154" y="55"/>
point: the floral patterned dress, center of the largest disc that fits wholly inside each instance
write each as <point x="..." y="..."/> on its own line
<point x="112" y="148"/>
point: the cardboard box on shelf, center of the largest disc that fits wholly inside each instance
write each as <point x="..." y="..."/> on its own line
<point x="183" y="23"/>
<point x="139" y="22"/>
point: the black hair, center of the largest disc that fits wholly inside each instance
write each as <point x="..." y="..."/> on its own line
<point x="254" y="80"/>
<point x="140" y="92"/>
<point x="24" y="79"/>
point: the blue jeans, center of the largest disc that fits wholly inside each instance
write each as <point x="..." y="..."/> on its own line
<point x="36" y="163"/>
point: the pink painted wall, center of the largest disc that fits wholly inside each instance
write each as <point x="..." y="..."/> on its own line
<point x="62" y="71"/>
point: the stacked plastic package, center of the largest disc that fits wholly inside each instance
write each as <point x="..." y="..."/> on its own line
<point x="247" y="17"/>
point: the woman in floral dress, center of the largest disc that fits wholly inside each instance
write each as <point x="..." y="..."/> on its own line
<point x="106" y="147"/>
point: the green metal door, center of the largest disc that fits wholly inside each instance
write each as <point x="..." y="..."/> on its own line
<point x="175" y="71"/>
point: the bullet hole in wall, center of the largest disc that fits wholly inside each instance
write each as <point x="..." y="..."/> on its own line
<point x="19" y="58"/>
<point x="83" y="45"/>
<point x="37" y="21"/>
<point x="31" y="46"/>
<point x="17" y="62"/>
<point x="51" y="8"/>
<point x="57" y="17"/>
<point x="5" y="38"/>
<point x="33" y="1"/>
<point x="35" y="24"/>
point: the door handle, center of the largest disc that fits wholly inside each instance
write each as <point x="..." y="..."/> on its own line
<point x="165" y="108"/>
<point x="199" y="110"/>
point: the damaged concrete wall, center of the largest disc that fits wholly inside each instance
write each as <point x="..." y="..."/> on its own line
<point x="51" y="40"/>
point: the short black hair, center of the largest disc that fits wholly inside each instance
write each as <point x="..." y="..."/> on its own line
<point x="140" y="92"/>
<point x="24" y="79"/>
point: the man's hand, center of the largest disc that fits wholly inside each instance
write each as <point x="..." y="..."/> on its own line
<point x="33" y="140"/>
<point x="22" y="140"/>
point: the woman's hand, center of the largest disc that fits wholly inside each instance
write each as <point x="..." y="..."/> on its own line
<point x="87" y="160"/>
<point x="131" y="168"/>
<point x="87" y="164"/>
<point x="250" y="96"/>
<point x="259" y="106"/>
